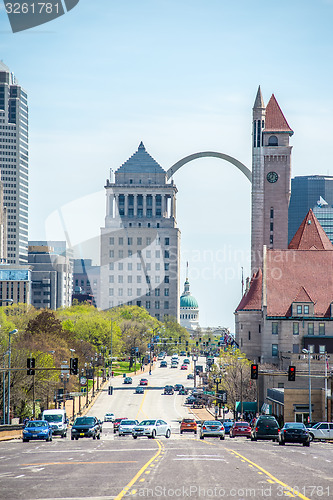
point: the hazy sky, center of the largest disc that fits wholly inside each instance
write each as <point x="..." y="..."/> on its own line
<point x="180" y="75"/>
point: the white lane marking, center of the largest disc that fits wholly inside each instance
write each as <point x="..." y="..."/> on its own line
<point x="17" y="477"/>
<point x="202" y="459"/>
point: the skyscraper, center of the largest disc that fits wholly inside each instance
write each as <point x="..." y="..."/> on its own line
<point x="14" y="164"/>
<point x="140" y="240"/>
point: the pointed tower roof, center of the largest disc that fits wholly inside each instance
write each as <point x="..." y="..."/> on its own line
<point x="141" y="162"/>
<point x="302" y="296"/>
<point x="251" y="301"/>
<point x="275" y="120"/>
<point x="259" y="102"/>
<point x="310" y="235"/>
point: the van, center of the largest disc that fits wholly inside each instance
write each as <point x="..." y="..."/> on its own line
<point x="58" y="421"/>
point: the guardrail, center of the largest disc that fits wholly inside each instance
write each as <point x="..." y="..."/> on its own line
<point x="10" y="432"/>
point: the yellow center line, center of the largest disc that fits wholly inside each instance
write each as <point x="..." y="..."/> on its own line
<point x="275" y="480"/>
<point x="124" y="491"/>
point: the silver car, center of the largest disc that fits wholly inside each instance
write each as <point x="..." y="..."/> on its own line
<point x="126" y="427"/>
<point x="212" y="428"/>
<point x="152" y="429"/>
<point x="109" y="417"/>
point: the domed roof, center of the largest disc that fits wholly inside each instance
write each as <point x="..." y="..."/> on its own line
<point x="188" y="301"/>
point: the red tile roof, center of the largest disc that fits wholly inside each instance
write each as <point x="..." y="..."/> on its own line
<point x="251" y="300"/>
<point x="310" y="235"/>
<point x="302" y="296"/>
<point x="275" y="120"/>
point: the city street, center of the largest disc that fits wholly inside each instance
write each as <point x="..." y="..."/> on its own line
<point x="180" y="467"/>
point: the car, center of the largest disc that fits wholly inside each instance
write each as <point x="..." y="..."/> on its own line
<point x="183" y="367"/>
<point x="190" y="376"/>
<point x="160" y="357"/>
<point x="177" y="387"/>
<point x="109" y="417"/>
<point x="126" y="426"/>
<point x="128" y="380"/>
<point x="183" y="353"/>
<point x="321" y="430"/>
<point x="188" y="425"/>
<point x="58" y="421"/>
<point x="240" y="429"/>
<point x="183" y="392"/>
<point x="116" y="423"/>
<point x="186" y="361"/>
<point x="168" y="389"/>
<point x="151" y="429"/>
<point x="265" y="427"/>
<point x="86" y="427"/>
<point x="144" y="381"/>
<point x="163" y="364"/>
<point x="227" y="425"/>
<point x="139" y="390"/>
<point x="174" y="364"/>
<point x="294" y="432"/>
<point x="37" y="430"/>
<point x="212" y="428"/>
<point x="190" y="399"/>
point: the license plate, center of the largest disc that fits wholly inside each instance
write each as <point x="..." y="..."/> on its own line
<point x="81" y="433"/>
<point x="34" y="435"/>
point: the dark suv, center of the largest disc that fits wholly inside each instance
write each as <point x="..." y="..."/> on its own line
<point x="265" y="427"/>
<point x="168" y="389"/>
<point x="86" y="427"/>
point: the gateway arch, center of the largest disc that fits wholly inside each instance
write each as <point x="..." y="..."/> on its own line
<point x="212" y="154"/>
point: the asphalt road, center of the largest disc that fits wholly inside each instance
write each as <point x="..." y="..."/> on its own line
<point x="180" y="467"/>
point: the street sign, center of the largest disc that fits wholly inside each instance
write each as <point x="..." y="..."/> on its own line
<point x="83" y="381"/>
<point x="64" y="369"/>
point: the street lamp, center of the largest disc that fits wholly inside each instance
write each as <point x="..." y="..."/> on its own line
<point x="195" y="359"/>
<point x="4" y="389"/>
<point x="241" y="385"/>
<point x="13" y="332"/>
<point x="217" y="382"/>
<point x="307" y="351"/>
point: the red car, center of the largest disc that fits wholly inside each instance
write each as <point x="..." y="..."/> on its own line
<point x="116" y="423"/>
<point x="143" y="381"/>
<point x="183" y="367"/>
<point x="240" y="429"/>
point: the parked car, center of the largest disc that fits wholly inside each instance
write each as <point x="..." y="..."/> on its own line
<point x="294" y="432"/>
<point x="168" y="389"/>
<point x="139" y="390"/>
<point x="151" y="429"/>
<point x="177" y="387"/>
<point x="183" y="367"/>
<point x="265" y="427"/>
<point x="321" y="430"/>
<point x="85" y="427"/>
<point x="190" y="376"/>
<point x="126" y="426"/>
<point x="240" y="429"/>
<point x="37" y="430"/>
<point x="116" y="423"/>
<point x="163" y="364"/>
<point x="144" y="381"/>
<point x="188" y="425"/>
<point x="128" y="380"/>
<point x="212" y="428"/>
<point x="109" y="417"/>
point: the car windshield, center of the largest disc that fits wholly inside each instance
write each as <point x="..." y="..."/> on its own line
<point x="53" y="418"/>
<point x="294" y="425"/>
<point x="128" y="422"/>
<point x="37" y="423"/>
<point x="241" y="424"/>
<point x="189" y="420"/>
<point x="84" y="421"/>
<point x="148" y="422"/>
<point x="212" y="422"/>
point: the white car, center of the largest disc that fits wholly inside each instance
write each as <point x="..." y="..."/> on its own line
<point x="322" y="430"/>
<point x="126" y="426"/>
<point x="152" y="429"/>
<point x="109" y="417"/>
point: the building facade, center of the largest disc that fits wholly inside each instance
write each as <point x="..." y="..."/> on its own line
<point x="15" y="284"/>
<point x="140" y="242"/>
<point x="271" y="174"/>
<point x="86" y="280"/>
<point x="14" y="164"/>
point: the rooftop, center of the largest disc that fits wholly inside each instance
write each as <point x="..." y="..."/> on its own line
<point x="141" y="162"/>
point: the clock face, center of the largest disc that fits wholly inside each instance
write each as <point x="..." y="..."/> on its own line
<point x="272" y="177"/>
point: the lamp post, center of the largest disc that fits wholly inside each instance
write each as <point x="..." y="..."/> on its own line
<point x="195" y="359"/>
<point x="13" y="332"/>
<point x="217" y="382"/>
<point x="307" y="351"/>
<point x="4" y="389"/>
<point x="241" y="385"/>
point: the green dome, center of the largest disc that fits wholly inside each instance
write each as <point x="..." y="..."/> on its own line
<point x="188" y="301"/>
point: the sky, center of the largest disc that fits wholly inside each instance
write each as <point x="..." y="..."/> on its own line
<point x="181" y="76"/>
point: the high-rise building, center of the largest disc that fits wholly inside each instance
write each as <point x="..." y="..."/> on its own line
<point x="140" y="240"/>
<point x="14" y="164"/>
<point x="315" y="192"/>
<point x="271" y="173"/>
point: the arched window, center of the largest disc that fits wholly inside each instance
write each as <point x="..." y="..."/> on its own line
<point x="273" y="140"/>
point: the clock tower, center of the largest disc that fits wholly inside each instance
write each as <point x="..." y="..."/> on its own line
<point x="271" y="178"/>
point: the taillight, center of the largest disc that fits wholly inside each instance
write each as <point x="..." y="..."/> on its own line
<point x="204" y="428"/>
<point x="256" y="429"/>
<point x="284" y="430"/>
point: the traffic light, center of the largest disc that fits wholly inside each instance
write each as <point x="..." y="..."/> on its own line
<point x="291" y="373"/>
<point x="31" y="366"/>
<point x="254" y="372"/>
<point x="74" y="366"/>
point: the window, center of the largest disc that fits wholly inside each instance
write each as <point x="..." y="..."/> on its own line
<point x="166" y="266"/>
<point x="129" y="266"/>
<point x="111" y="279"/>
<point x="299" y="309"/>
<point x="295" y="348"/>
<point x="130" y="253"/>
<point x="271" y="239"/>
<point x="138" y="279"/>
<point x="120" y="279"/>
<point x="167" y="241"/>
<point x="148" y="241"/>
<point x="271" y="226"/>
<point x="138" y="266"/>
<point x="138" y="292"/>
<point x="272" y="213"/>
<point x="275" y="328"/>
<point x="121" y="254"/>
<point x="138" y="303"/>
<point x="249" y="335"/>
<point x="311" y="348"/>
<point x="166" y="254"/>
<point x="148" y="267"/>
<point x="111" y="292"/>
<point x="273" y="140"/>
<point x="130" y="241"/>
<point x="147" y="279"/>
<point x="120" y="266"/>
<point x="322" y="349"/>
<point x="157" y="292"/>
<point x="157" y="267"/>
<point x="129" y="279"/>
<point x="120" y="292"/>
<point x="306" y="309"/>
<point x="111" y="254"/>
<point x="166" y="279"/>
<point x="148" y="254"/>
<point x="157" y="254"/>
<point x="121" y="241"/>
<point x="321" y="328"/>
<point x="310" y="328"/>
<point x="129" y="292"/>
<point x="275" y="350"/>
<point x="139" y="241"/>
<point x="157" y="304"/>
<point x="157" y="279"/>
<point x="166" y="292"/>
<point x="147" y="304"/>
<point x="111" y="241"/>
<point x="295" y="328"/>
<point x="166" y="304"/>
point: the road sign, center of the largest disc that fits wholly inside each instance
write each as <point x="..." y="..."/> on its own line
<point x="64" y="369"/>
<point x="83" y="381"/>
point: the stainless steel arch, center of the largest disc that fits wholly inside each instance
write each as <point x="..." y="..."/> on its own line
<point x="213" y="154"/>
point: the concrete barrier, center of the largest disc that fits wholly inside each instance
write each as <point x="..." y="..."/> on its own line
<point x="10" y="432"/>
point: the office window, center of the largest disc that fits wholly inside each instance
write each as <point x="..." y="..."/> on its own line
<point x="310" y="328"/>
<point x="111" y="279"/>
<point x="130" y="253"/>
<point x="111" y="292"/>
<point x="121" y="241"/>
<point x="120" y="266"/>
<point x="147" y="304"/>
<point x="275" y="350"/>
<point x="166" y="292"/>
<point x="138" y="303"/>
<point x="120" y="292"/>
<point x="166" y="304"/>
<point x="311" y="348"/>
<point x="120" y="279"/>
<point x="306" y="309"/>
<point x="138" y="279"/>
<point x="321" y="328"/>
<point x="295" y="348"/>
<point x="166" y="279"/>
<point x="148" y="254"/>
<point x="148" y="241"/>
<point x="139" y="241"/>
<point x="157" y="279"/>
<point x="322" y="349"/>
<point x="295" y="328"/>
<point x="138" y="292"/>
<point x="157" y="304"/>
<point x="249" y="335"/>
<point x="166" y="266"/>
<point x="167" y="241"/>
<point x="299" y="309"/>
<point x="157" y="267"/>
<point x="111" y="254"/>
<point x="166" y="254"/>
<point x="111" y="241"/>
<point x="121" y="254"/>
<point x="157" y="292"/>
<point x="138" y="266"/>
<point x="129" y="292"/>
<point x="157" y="254"/>
<point x="130" y="241"/>
<point x="129" y="279"/>
<point x="148" y="267"/>
<point x="275" y="328"/>
<point x="129" y="266"/>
